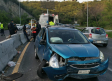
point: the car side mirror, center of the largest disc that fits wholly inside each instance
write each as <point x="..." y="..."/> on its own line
<point x="42" y="42"/>
<point x="90" y="40"/>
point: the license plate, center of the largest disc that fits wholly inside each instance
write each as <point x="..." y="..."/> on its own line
<point x="99" y="41"/>
<point x="83" y="71"/>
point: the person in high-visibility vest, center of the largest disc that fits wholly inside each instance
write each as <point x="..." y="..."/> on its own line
<point x="2" y="30"/>
<point x="51" y="23"/>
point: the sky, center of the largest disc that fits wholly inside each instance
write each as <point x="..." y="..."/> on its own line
<point x="56" y="0"/>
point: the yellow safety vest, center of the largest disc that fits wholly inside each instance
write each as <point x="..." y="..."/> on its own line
<point x="51" y="23"/>
<point x="2" y="26"/>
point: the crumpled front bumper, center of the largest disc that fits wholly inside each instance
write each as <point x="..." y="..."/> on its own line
<point x="61" y="73"/>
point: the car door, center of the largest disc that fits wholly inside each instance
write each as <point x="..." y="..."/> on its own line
<point x="41" y="48"/>
<point x="38" y="38"/>
<point x="85" y="31"/>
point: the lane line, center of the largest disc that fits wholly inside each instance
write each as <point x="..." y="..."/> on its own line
<point x="20" y="58"/>
<point x="109" y="69"/>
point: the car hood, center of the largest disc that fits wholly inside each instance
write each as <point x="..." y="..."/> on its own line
<point x="75" y="50"/>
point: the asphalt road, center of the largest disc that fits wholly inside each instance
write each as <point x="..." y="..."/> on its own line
<point x="29" y="65"/>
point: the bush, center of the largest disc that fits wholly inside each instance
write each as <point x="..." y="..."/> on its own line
<point x="109" y="34"/>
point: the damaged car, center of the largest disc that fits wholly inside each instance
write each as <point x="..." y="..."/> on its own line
<point x="66" y="52"/>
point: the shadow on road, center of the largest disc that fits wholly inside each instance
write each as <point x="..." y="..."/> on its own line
<point x="90" y="79"/>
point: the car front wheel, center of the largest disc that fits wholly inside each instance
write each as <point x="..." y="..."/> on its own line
<point x="104" y="45"/>
<point x="40" y="72"/>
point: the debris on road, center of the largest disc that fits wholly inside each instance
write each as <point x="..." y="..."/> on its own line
<point x="19" y="52"/>
<point x="11" y="63"/>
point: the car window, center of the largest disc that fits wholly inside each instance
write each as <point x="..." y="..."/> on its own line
<point x="44" y="35"/>
<point x="66" y="37"/>
<point x="85" y="31"/>
<point x="40" y="33"/>
<point x="98" y="31"/>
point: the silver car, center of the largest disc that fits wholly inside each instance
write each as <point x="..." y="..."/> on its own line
<point x="97" y="34"/>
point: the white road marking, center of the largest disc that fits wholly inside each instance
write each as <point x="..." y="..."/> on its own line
<point x="109" y="69"/>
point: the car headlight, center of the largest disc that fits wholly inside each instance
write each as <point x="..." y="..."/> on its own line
<point x="57" y="61"/>
<point x="102" y="56"/>
<point x="54" y="61"/>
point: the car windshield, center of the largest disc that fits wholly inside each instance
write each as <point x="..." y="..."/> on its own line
<point x="98" y="31"/>
<point x="66" y="37"/>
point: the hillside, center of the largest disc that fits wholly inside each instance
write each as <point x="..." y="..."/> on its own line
<point x="9" y="10"/>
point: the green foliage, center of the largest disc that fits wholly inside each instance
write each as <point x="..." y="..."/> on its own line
<point x="4" y="18"/>
<point x="109" y="34"/>
<point x="24" y="19"/>
<point x="100" y="12"/>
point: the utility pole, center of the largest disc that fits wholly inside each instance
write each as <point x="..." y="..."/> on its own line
<point x="87" y="13"/>
<point x="47" y="11"/>
<point x="19" y="12"/>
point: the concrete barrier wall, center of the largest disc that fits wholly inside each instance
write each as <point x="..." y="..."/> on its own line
<point x="29" y="33"/>
<point x="23" y="38"/>
<point x="16" y="39"/>
<point x="7" y="48"/>
<point x="7" y="52"/>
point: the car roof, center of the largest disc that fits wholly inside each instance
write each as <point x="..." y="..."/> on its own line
<point x="91" y="27"/>
<point x="59" y="27"/>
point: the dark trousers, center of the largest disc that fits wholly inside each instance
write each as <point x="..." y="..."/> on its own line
<point x="2" y="32"/>
<point x="26" y="36"/>
<point x="34" y="36"/>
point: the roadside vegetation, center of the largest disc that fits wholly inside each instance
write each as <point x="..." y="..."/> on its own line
<point x="109" y="34"/>
<point x="5" y="19"/>
<point x="100" y="12"/>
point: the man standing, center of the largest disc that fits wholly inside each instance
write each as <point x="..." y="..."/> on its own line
<point x="11" y="28"/>
<point x="15" y="28"/>
<point x="38" y="28"/>
<point x="24" y="31"/>
<point x="2" y="30"/>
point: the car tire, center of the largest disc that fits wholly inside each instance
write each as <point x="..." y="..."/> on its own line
<point x="36" y="57"/>
<point x="40" y="72"/>
<point x="104" y="45"/>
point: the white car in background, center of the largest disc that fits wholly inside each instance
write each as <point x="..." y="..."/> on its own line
<point x="97" y="34"/>
<point x="19" y="26"/>
<point x="28" y="26"/>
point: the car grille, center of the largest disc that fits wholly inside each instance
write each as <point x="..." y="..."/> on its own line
<point x="84" y="66"/>
<point x="81" y="58"/>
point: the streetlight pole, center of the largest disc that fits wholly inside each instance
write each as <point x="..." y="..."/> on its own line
<point x="47" y="11"/>
<point x="87" y="13"/>
<point x="19" y="12"/>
